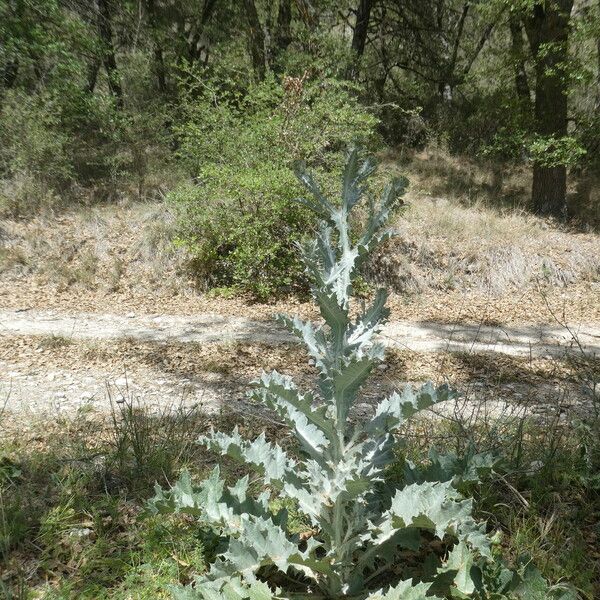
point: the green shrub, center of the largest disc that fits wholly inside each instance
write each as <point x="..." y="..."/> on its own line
<point x="493" y="124"/>
<point x="132" y="144"/>
<point x="237" y="217"/>
<point x="32" y="142"/>
<point x="241" y="228"/>
<point x="36" y="165"/>
<point x="60" y="138"/>
<point x="272" y="121"/>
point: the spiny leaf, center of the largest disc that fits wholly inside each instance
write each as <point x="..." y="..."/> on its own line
<point x="321" y="206"/>
<point x="210" y="501"/>
<point x="314" y="431"/>
<point x="468" y="468"/>
<point x="271" y="459"/>
<point x="461" y="561"/>
<point x="230" y="589"/>
<point x="261" y="543"/>
<point x="405" y="590"/>
<point x="347" y="381"/>
<point x="397" y="408"/>
<point x="379" y="217"/>
<point x="370" y="322"/>
<point x="431" y="505"/>
<point x="335" y="316"/>
<point x="355" y="172"/>
<point x="313" y="338"/>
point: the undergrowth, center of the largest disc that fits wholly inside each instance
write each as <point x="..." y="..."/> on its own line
<point x="72" y="523"/>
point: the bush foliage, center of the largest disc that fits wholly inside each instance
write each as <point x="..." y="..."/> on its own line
<point x="241" y="227"/>
<point x="238" y="217"/>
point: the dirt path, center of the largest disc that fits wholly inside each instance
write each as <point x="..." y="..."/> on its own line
<point x="209" y="328"/>
<point x="58" y="363"/>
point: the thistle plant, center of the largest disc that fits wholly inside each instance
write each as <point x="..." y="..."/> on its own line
<point x="362" y="525"/>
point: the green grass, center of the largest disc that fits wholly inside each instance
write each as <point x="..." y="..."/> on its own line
<point x="549" y="510"/>
<point x="72" y="499"/>
<point x="140" y="556"/>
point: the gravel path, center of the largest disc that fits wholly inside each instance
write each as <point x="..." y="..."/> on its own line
<point x="31" y="384"/>
<point x="209" y="328"/>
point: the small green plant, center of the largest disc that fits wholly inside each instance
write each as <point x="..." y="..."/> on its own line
<point x="361" y="525"/>
<point x="147" y="442"/>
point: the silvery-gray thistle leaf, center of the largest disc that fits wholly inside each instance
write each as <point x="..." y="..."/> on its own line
<point x="360" y="524"/>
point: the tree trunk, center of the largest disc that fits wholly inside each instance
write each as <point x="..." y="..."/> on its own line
<point x="548" y="32"/>
<point x="518" y="56"/>
<point x="92" y="75"/>
<point x="159" y="63"/>
<point x="308" y="13"/>
<point x="8" y="74"/>
<point x="283" y="37"/>
<point x="585" y="172"/>
<point x="256" y="40"/>
<point x="359" y="37"/>
<point x="549" y="190"/>
<point x="195" y="47"/>
<point x="159" y="69"/>
<point x="597" y="104"/>
<point x="108" y="51"/>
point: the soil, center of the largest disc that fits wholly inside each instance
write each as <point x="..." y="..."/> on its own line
<point x="576" y="304"/>
<point x="94" y="304"/>
<point x="61" y="364"/>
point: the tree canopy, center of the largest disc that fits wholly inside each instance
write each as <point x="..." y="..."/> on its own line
<point x="511" y="80"/>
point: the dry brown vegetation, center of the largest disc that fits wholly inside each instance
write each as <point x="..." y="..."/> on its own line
<point x="456" y="259"/>
<point x="478" y="236"/>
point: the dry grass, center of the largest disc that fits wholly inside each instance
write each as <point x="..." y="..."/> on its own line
<point x="434" y="172"/>
<point x="102" y="248"/>
<point x="24" y="196"/>
<point x="466" y="240"/>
